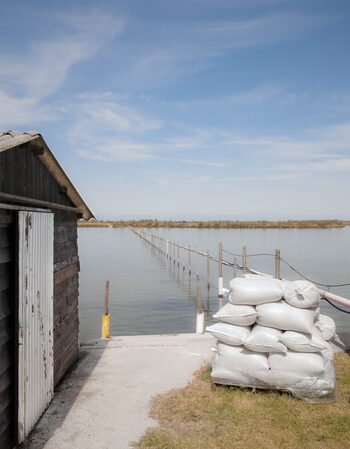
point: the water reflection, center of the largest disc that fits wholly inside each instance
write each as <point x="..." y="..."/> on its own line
<point x="152" y="292"/>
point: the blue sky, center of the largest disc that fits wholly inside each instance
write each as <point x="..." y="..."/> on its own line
<point x="189" y="109"/>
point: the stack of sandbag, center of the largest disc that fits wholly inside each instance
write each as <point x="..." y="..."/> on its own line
<point x="271" y="335"/>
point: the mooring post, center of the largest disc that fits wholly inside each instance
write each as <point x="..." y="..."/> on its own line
<point x="244" y="259"/>
<point x="106" y="317"/>
<point x="178" y="255"/>
<point x="221" y="279"/>
<point x="174" y="252"/>
<point x="277" y="264"/>
<point x="208" y="270"/>
<point x="234" y="267"/>
<point x="199" y="309"/>
<point x="189" y="260"/>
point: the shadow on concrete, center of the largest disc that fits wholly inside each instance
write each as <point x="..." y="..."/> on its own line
<point x="65" y="395"/>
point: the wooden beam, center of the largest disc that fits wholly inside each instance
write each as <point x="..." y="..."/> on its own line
<point x="32" y="201"/>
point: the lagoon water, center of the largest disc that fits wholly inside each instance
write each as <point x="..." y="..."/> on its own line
<point x="150" y="296"/>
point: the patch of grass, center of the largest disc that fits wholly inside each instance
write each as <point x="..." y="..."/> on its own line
<point x="202" y="416"/>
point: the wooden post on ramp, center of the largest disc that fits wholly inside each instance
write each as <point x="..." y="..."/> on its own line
<point x="106" y="316"/>
<point x="221" y="279"/>
<point x="199" y="308"/>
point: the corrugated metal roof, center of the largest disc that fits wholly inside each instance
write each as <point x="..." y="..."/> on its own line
<point x="12" y="139"/>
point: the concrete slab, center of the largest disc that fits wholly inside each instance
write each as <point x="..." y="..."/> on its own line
<point x="105" y="402"/>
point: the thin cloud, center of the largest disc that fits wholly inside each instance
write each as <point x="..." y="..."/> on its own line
<point x="199" y="162"/>
<point x="28" y="78"/>
<point x="16" y="112"/>
<point x="44" y="65"/>
<point x="175" y="50"/>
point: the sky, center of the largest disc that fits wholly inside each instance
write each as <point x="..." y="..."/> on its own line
<point x="187" y="109"/>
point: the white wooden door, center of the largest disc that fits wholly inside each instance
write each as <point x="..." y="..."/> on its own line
<point x="35" y="318"/>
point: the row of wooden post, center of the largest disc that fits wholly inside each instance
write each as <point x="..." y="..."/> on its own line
<point x="168" y="249"/>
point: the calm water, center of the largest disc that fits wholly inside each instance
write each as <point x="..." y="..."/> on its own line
<point x="150" y="296"/>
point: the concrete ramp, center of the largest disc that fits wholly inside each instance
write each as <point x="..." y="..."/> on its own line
<point x="105" y="402"/>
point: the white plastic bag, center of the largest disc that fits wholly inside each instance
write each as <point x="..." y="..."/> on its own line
<point x="300" y="342"/>
<point x="328" y="353"/>
<point x="254" y="291"/>
<point x="326" y="325"/>
<point x="318" y="389"/>
<point x="264" y="339"/>
<point x="285" y="317"/>
<point x="303" y="364"/>
<point x="229" y="333"/>
<point x="239" y="315"/>
<point x="303" y="294"/>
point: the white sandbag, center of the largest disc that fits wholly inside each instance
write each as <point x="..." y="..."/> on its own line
<point x="239" y="315"/>
<point x="303" y="294"/>
<point x="313" y="389"/>
<point x="328" y="353"/>
<point x="326" y="325"/>
<point x="254" y="291"/>
<point x="229" y="333"/>
<point x="240" y="359"/>
<point x="301" y="363"/>
<point x="301" y="342"/>
<point x="257" y="276"/>
<point x="264" y="339"/>
<point x="281" y="282"/>
<point x="285" y="317"/>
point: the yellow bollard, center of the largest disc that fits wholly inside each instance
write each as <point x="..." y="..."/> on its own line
<point x="105" y="326"/>
<point x="105" y="316"/>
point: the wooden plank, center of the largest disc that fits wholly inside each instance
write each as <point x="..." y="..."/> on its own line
<point x="5" y="399"/>
<point x="5" y="358"/>
<point x="6" y="419"/>
<point x="17" y="199"/>
<point x="66" y="273"/>
<point x="5" y="282"/>
<point x="6" y="304"/>
<point x="6" y="235"/>
<point x="7" y="439"/>
<point x="5" y="255"/>
<point x="5" y="380"/>
<point x="6" y="330"/>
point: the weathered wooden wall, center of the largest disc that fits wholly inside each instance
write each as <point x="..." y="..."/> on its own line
<point x="22" y="173"/>
<point x="66" y="293"/>
<point x="7" y="331"/>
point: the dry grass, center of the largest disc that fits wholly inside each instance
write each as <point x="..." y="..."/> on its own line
<point x="202" y="417"/>
<point x="220" y="224"/>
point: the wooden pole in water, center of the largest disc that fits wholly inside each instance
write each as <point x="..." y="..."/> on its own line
<point x="199" y="309"/>
<point x="189" y="260"/>
<point x="244" y="259"/>
<point x="178" y="256"/>
<point x="277" y="264"/>
<point x="234" y="267"/>
<point x="221" y="279"/>
<point x="208" y="270"/>
<point x="106" y="317"/>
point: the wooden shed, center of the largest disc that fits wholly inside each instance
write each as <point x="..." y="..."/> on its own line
<point x="39" y="284"/>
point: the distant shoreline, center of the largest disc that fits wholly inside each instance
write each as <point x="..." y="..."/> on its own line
<point x="217" y="224"/>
